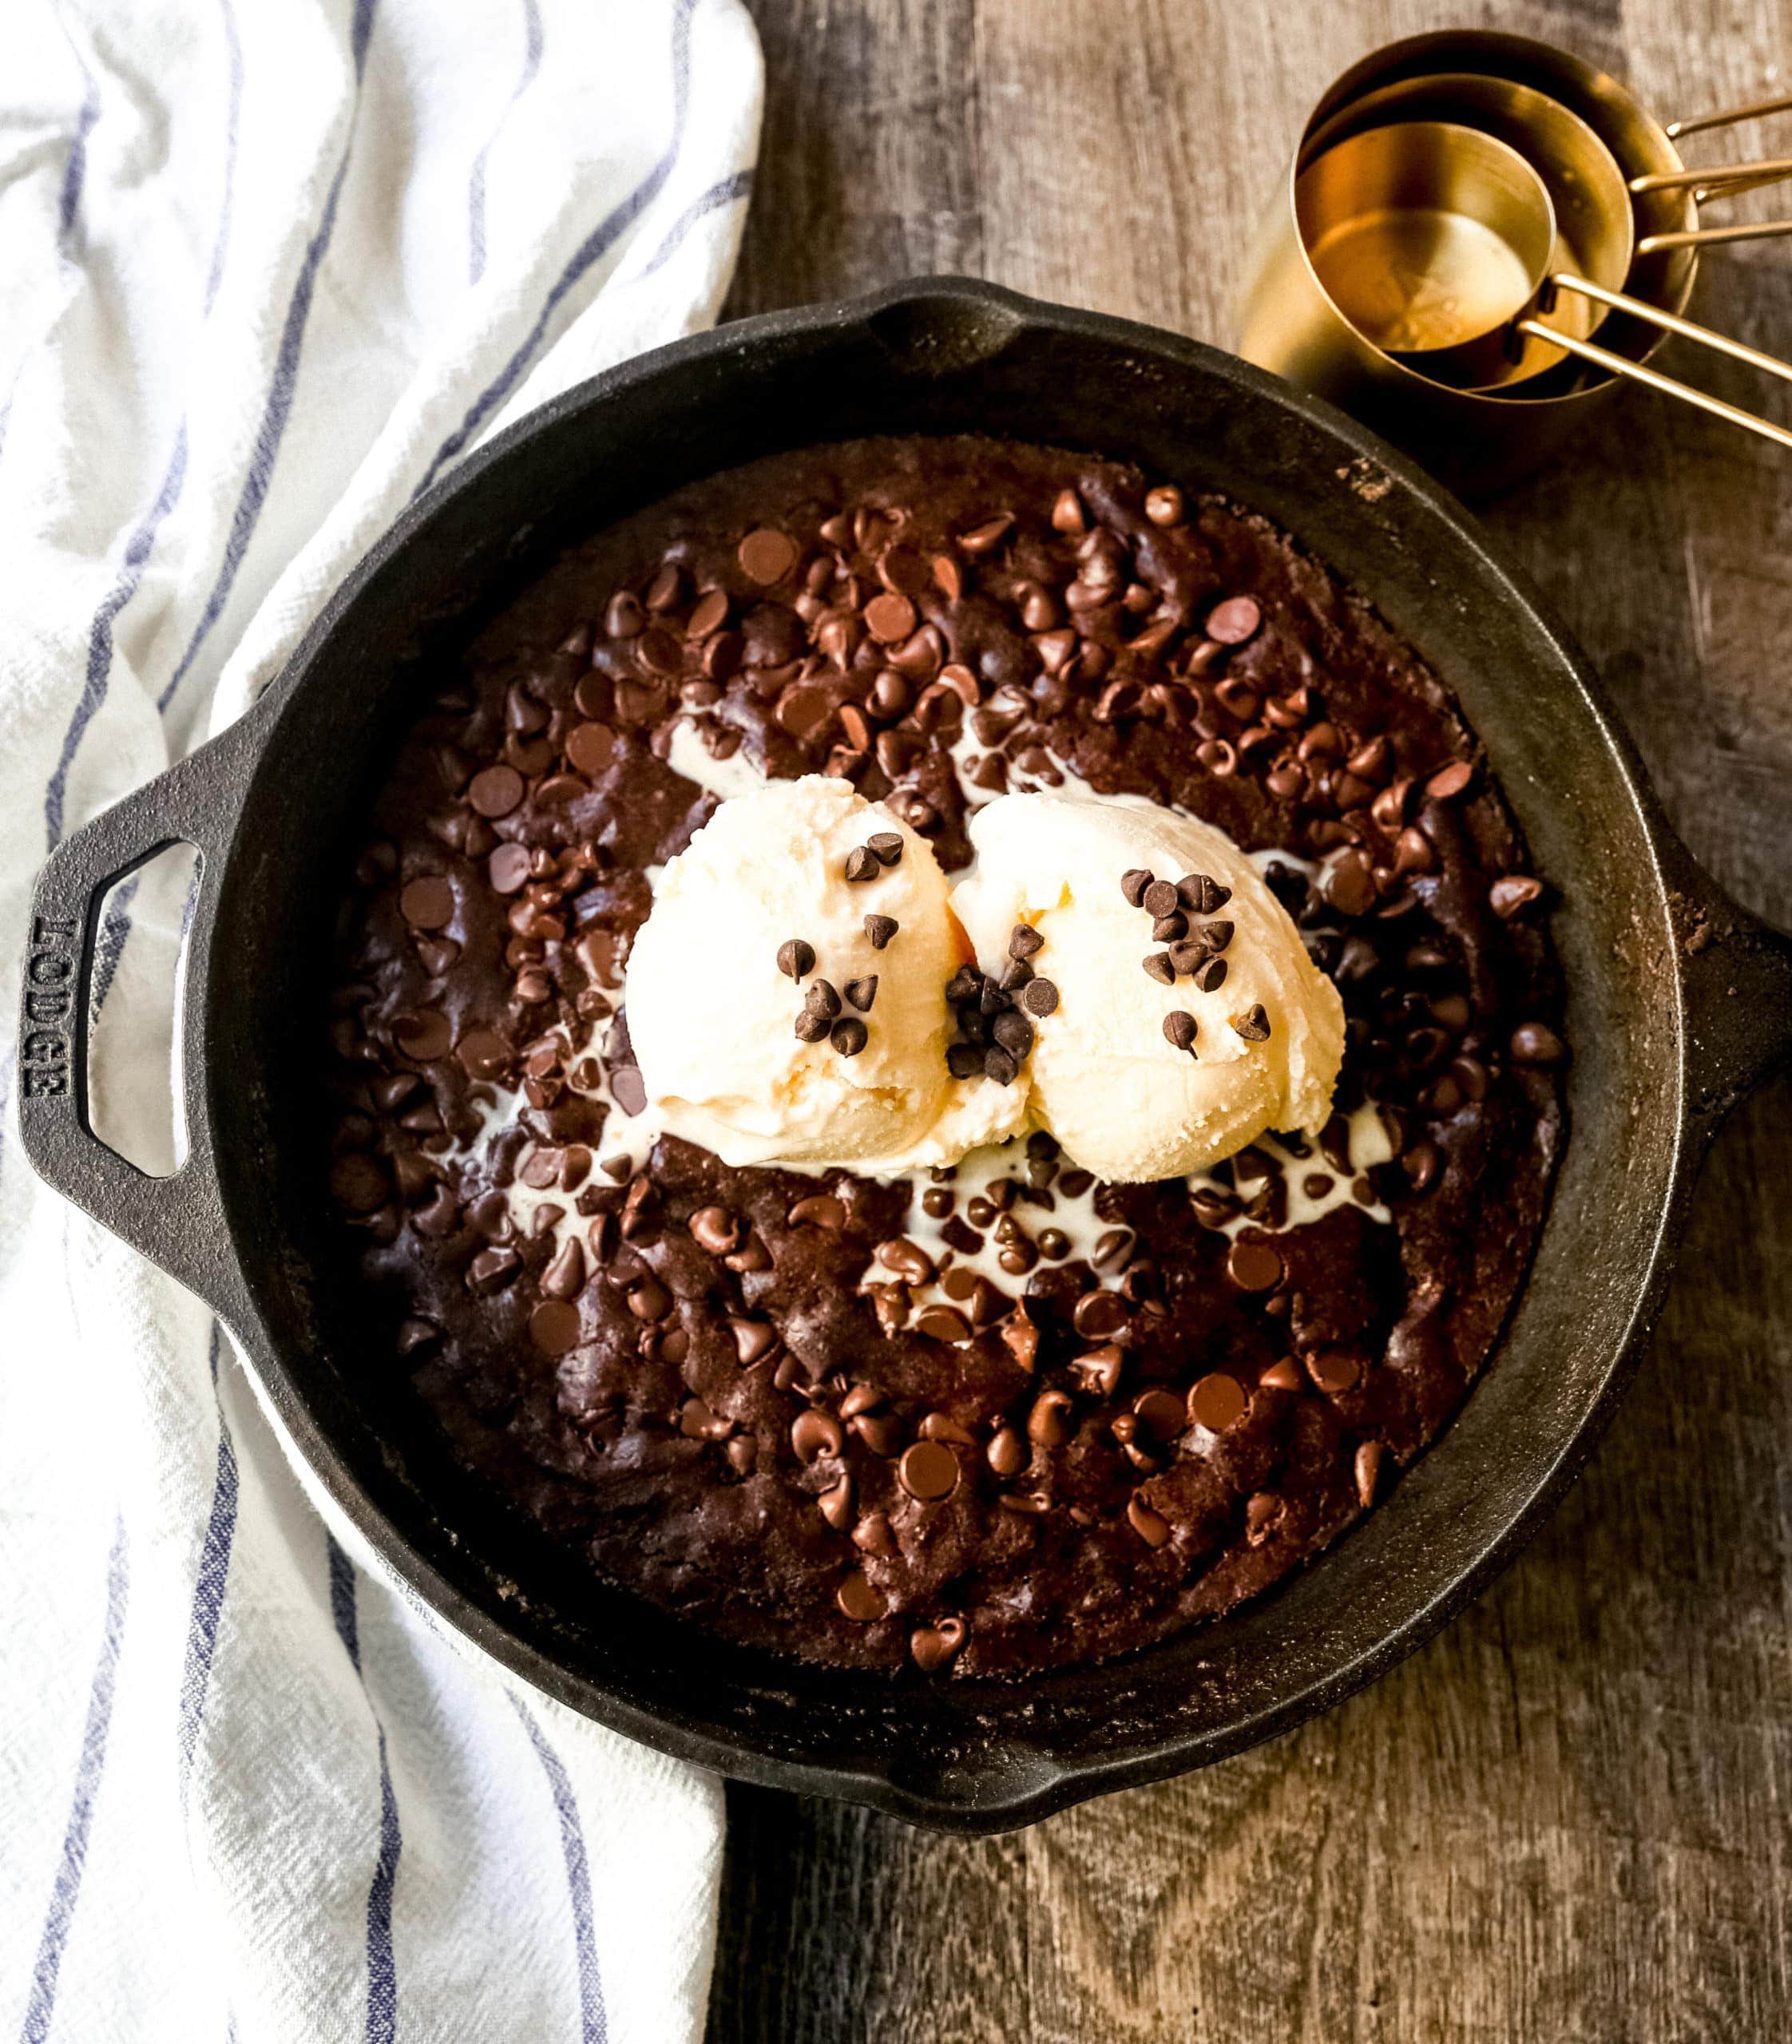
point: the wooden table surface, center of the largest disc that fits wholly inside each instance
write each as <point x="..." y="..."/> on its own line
<point x="1570" y="1817"/>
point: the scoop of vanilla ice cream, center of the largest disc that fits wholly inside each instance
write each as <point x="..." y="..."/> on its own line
<point x="712" y="1018"/>
<point x="1121" y="1099"/>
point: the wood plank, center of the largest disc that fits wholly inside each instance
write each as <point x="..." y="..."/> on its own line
<point x="1569" y="1817"/>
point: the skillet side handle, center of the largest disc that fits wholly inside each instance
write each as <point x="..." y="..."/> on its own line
<point x="177" y="1222"/>
<point x="1736" y="990"/>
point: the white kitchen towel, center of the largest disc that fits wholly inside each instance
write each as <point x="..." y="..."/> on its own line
<point x="267" y="268"/>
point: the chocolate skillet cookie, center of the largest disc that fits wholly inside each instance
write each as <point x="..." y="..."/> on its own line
<point x="992" y="1420"/>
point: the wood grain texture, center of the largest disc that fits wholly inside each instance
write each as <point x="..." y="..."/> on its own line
<point x="1570" y="1817"/>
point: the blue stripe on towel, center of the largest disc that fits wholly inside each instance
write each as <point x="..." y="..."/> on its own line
<point x="66" y="1891"/>
<point x="209" y="1582"/>
<point x="594" y="2027"/>
<point x="723" y="192"/>
<point x="383" y="1978"/>
<point x="285" y="382"/>
<point x="596" y="245"/>
<point x="534" y="39"/>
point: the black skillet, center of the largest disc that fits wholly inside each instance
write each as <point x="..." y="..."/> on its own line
<point x="1677" y="1003"/>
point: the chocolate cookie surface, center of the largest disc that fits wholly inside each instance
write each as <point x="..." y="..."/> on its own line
<point x="986" y="1421"/>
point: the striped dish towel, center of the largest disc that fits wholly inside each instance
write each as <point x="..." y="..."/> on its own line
<point x="265" y="271"/>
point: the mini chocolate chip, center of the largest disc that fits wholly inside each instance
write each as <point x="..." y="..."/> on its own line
<point x="880" y="929"/>
<point x="822" y="1000"/>
<point x="1100" y="1316"/>
<point x="1334" y="1370"/>
<point x="887" y="845"/>
<point x="1217" y="1402"/>
<point x="1163" y="505"/>
<point x="1151" y="1527"/>
<point x="963" y="1060"/>
<point x="932" y="1647"/>
<point x="1253" y="1025"/>
<point x="1024" y="942"/>
<point x="1159" y="898"/>
<point x="1199" y="892"/>
<point x="928" y="1471"/>
<point x="1232" y="622"/>
<point x="814" y="1434"/>
<point x="766" y="556"/>
<point x="850" y="1036"/>
<point x="1158" y="967"/>
<point x="860" y="993"/>
<point x="1367" y="1470"/>
<point x="1016" y="974"/>
<point x="1013" y="1032"/>
<point x="1532" y="1043"/>
<point x="1133" y="884"/>
<point x="1001" y="1066"/>
<point x="1253" y="1266"/>
<point x="1512" y="894"/>
<point x="1180" y="1028"/>
<point x="811" y="1027"/>
<point x="1041" y="998"/>
<point x="796" y="959"/>
<point x="714" y="1229"/>
<point x="1166" y="929"/>
<point x="1450" y="781"/>
<point x="1210" y="975"/>
<point x="862" y="863"/>
<point x="1216" y="936"/>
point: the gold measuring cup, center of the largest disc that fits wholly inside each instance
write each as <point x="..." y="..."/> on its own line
<point x="1479" y="441"/>
<point x="1435" y="241"/>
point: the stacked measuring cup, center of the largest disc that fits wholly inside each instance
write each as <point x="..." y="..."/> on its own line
<point x="1481" y="238"/>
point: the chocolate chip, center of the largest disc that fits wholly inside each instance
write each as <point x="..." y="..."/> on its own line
<point x="1532" y="1043"/>
<point x="1024" y="941"/>
<point x="1209" y="976"/>
<point x="418" y="1336"/>
<point x="928" y="1471"/>
<point x="1159" y="898"/>
<point x="860" y="993"/>
<point x="1334" y="1370"/>
<point x="564" y="1277"/>
<point x="1348" y="887"/>
<point x="822" y="1000"/>
<point x="495" y="791"/>
<point x="766" y="556"/>
<point x="1016" y="974"/>
<point x="1008" y="1452"/>
<point x="1151" y="1527"/>
<point x="963" y="1060"/>
<point x="850" y="1036"/>
<point x="888" y="846"/>
<point x="862" y="863"/>
<point x="880" y="929"/>
<point x="1253" y="1025"/>
<point x="814" y="1434"/>
<point x="1168" y="930"/>
<point x="629" y="1089"/>
<point x="1448" y="782"/>
<point x="714" y="1229"/>
<point x="553" y="1326"/>
<point x="1099" y="1316"/>
<point x="999" y="1065"/>
<point x="1160" y="1413"/>
<point x="508" y="868"/>
<point x="1253" y="1266"/>
<point x="819" y="1210"/>
<point x="889" y="617"/>
<point x="1512" y="894"/>
<point x="428" y="904"/>
<point x="857" y="1600"/>
<point x="1048" y="1423"/>
<point x="1133" y="884"/>
<point x="908" y="1259"/>
<point x="1233" y="621"/>
<point x="1180" y="1029"/>
<point x="796" y="959"/>
<point x="1367" y="1470"/>
<point x="1284" y="1376"/>
<point x="1158" y="967"/>
<point x="1014" y="1033"/>
<point x="943" y="1324"/>
<point x="1164" y="506"/>
<point x="933" y="1646"/>
<point x="484" y="1054"/>
<point x="1217" y="1402"/>
<point x="811" y="1027"/>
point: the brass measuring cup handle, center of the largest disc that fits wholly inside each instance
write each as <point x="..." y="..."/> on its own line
<point x="1717" y="181"/>
<point x="1639" y="373"/>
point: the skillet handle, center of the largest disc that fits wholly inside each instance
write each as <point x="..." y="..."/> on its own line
<point x="177" y="1222"/>
<point x="1735" y="974"/>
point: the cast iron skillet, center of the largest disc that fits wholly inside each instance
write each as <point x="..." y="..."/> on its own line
<point x="1677" y="1003"/>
